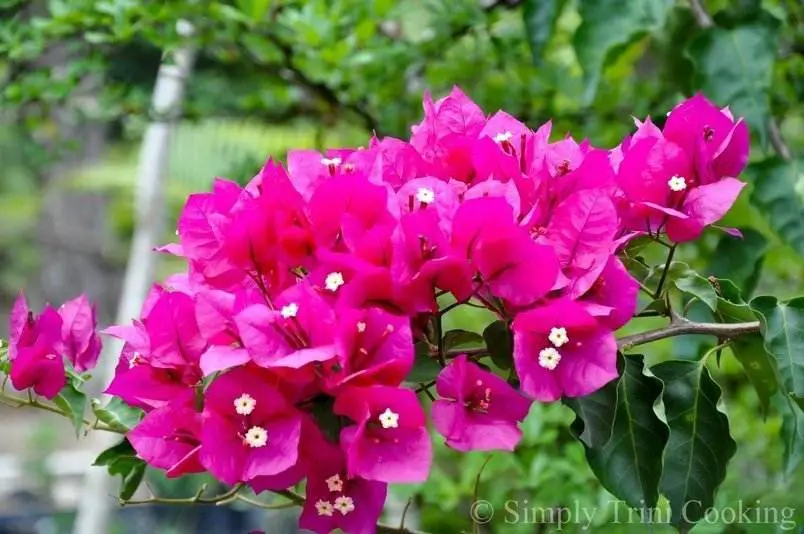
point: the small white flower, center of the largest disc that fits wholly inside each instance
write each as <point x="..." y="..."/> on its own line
<point x="389" y="419"/>
<point x="334" y="483"/>
<point x="425" y="195"/>
<point x="245" y="404"/>
<point x="503" y="137"/>
<point x="256" y="437"/>
<point x="677" y="183"/>
<point x="324" y="508"/>
<point x="558" y="337"/>
<point x="134" y="360"/>
<point x="334" y="281"/>
<point x="344" y="504"/>
<point x="289" y="310"/>
<point x="331" y="161"/>
<point x="549" y="358"/>
<point x="361" y="327"/>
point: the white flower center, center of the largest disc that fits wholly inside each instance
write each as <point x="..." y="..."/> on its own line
<point x="256" y="437"/>
<point x="135" y="359"/>
<point x="677" y="183"/>
<point x="334" y="483"/>
<point x="324" y="508"/>
<point x="334" y="162"/>
<point x="503" y="137"/>
<point x="245" y="404"/>
<point x="333" y="281"/>
<point x="558" y="337"/>
<point x="344" y="504"/>
<point x="289" y="310"/>
<point x="549" y="358"/>
<point x="389" y="419"/>
<point x="361" y="327"/>
<point x="425" y="195"/>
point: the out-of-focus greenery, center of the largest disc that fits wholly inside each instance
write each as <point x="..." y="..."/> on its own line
<point x="277" y="74"/>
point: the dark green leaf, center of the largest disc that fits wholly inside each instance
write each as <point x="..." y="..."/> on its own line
<point x="457" y="339"/>
<point x="775" y="195"/>
<point x="539" y="17"/>
<point x="117" y="414"/>
<point x="700" y="444"/>
<point x="122" y="460"/>
<point x="783" y="332"/>
<point x="609" y="25"/>
<point x="734" y="66"/>
<point x="740" y="260"/>
<point x="623" y="435"/>
<point x="425" y="367"/>
<point x="792" y="433"/>
<point x="500" y="342"/>
<point x="73" y="402"/>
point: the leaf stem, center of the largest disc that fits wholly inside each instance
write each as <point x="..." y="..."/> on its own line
<point x="664" y="272"/>
<point x="19" y="402"/>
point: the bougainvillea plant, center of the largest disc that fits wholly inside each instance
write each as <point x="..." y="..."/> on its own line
<point x="305" y="341"/>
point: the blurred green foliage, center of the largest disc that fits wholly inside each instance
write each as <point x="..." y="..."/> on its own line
<point x="279" y="74"/>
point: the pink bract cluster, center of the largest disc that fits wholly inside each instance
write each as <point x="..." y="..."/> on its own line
<point x="282" y="353"/>
<point x="40" y="344"/>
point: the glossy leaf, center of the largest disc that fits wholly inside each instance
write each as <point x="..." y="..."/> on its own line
<point x="425" y="368"/>
<point x="73" y="402"/>
<point x="458" y="339"/>
<point x="687" y="281"/>
<point x="500" y="342"/>
<point x="121" y="459"/>
<point x="733" y="67"/>
<point x="539" y="17"/>
<point x="117" y="414"/>
<point x="776" y="197"/>
<point x="792" y="434"/>
<point x="609" y="25"/>
<point x="783" y="333"/>
<point x="700" y="444"/>
<point x="622" y="433"/>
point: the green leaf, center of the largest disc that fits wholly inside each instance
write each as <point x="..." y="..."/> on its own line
<point x="783" y="332"/>
<point x="539" y="17"/>
<point x="456" y="339"/>
<point x="121" y="459"/>
<point x="700" y="444"/>
<point x="734" y="67"/>
<point x="73" y="402"/>
<point x="775" y="195"/>
<point x="610" y="25"/>
<point x="687" y="281"/>
<point x="792" y="434"/>
<point x="500" y="342"/>
<point x="425" y="368"/>
<point x="740" y="260"/>
<point x="623" y="433"/>
<point x="117" y="414"/>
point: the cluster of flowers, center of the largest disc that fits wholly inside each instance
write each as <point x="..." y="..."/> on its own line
<point x="39" y="344"/>
<point x="282" y="353"/>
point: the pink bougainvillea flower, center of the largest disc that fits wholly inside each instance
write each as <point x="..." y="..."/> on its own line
<point x="82" y="344"/>
<point x="614" y="295"/>
<point x="510" y="264"/>
<point x="581" y="231"/>
<point x="35" y="350"/>
<point x="477" y="410"/>
<point x="703" y="206"/>
<point x="719" y="144"/>
<point x="335" y="500"/>
<point x="372" y="347"/>
<point x="169" y="437"/>
<point x="249" y="428"/>
<point x="389" y="440"/>
<point x="300" y="330"/>
<point x="560" y="349"/>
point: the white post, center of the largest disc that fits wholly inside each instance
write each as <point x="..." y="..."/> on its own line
<point x="95" y="508"/>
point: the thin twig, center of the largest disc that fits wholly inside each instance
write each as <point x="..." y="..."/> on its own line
<point x="195" y="499"/>
<point x="702" y="18"/>
<point x="777" y="141"/>
<point x="19" y="402"/>
<point x="405" y="514"/>
<point x="684" y="327"/>
<point x="664" y="272"/>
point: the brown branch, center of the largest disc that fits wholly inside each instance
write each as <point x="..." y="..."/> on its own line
<point x="684" y="327"/>
<point x="702" y="18"/>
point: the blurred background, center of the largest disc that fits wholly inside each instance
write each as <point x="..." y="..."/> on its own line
<point x="76" y="85"/>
